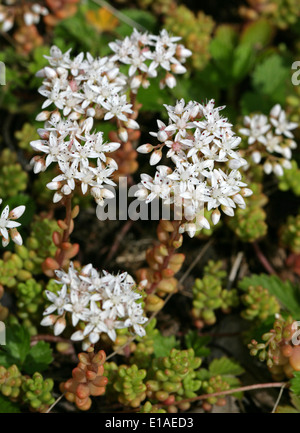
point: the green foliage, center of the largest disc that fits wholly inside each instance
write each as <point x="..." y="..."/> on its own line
<point x="163" y="345"/>
<point x="10" y="269"/>
<point x="26" y="135"/>
<point x="286" y="293"/>
<point x="225" y="367"/>
<point x="290" y="234"/>
<point x="259" y="303"/>
<point x="174" y="374"/>
<point x="290" y="409"/>
<point x="38" y="358"/>
<point x="130" y="386"/>
<point x="220" y="376"/>
<point x="258" y="34"/>
<point x="195" y="31"/>
<point x="198" y="344"/>
<point x="267" y="83"/>
<point x="144" y="18"/>
<point x="208" y="295"/>
<point x="147" y="346"/>
<point x="7" y="406"/>
<point x="37" y="392"/>
<point x="68" y="33"/>
<point x="290" y="179"/>
<point x="30" y="301"/>
<point x="10" y="381"/>
<point x="18" y="351"/>
<point x="295" y="383"/>
<point x="149" y="408"/>
<point x="249" y="224"/>
<point x="13" y="178"/>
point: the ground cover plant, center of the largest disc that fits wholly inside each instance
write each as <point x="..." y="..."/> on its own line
<point x="150" y="213"/>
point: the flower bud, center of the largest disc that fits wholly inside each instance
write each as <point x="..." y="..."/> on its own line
<point x="178" y="68"/>
<point x="215" y="216"/>
<point x="145" y="148"/>
<point x="155" y="157"/>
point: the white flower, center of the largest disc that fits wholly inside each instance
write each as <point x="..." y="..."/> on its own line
<point x="102" y="302"/>
<point x="258" y="126"/>
<point x="204" y="153"/>
<point x="8" y="225"/>
<point x="279" y="120"/>
<point x="270" y="136"/>
<point x="58" y="301"/>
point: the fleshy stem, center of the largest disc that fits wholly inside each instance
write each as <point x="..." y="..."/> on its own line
<point x="174" y="237"/>
<point x="65" y="250"/>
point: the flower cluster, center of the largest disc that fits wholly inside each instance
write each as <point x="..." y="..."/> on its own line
<point x="101" y="303"/>
<point x="203" y="149"/>
<point x="82" y="88"/>
<point x="145" y="53"/>
<point x="74" y="147"/>
<point x="31" y="13"/>
<point x="270" y="140"/>
<point x="8" y="225"/>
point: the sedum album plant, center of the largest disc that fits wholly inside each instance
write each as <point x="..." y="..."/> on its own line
<point x="203" y="174"/>
<point x="104" y="312"/>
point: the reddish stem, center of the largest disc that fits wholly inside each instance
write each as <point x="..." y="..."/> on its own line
<point x="231" y="391"/>
<point x="263" y="260"/>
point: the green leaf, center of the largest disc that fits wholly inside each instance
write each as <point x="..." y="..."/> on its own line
<point x="295" y="401"/>
<point x="144" y="18"/>
<point x="38" y="358"/>
<point x="295" y="383"/>
<point x="287" y="294"/>
<point x="258" y="34"/>
<point x="234" y="382"/>
<point x="153" y="98"/>
<point x="271" y="77"/>
<point x="17" y="346"/>
<point x="163" y="345"/>
<point x="192" y="340"/>
<point x="255" y="101"/>
<point x="286" y="409"/>
<point x="243" y="60"/>
<point x="7" y="406"/>
<point x="203" y="374"/>
<point x="225" y="366"/>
